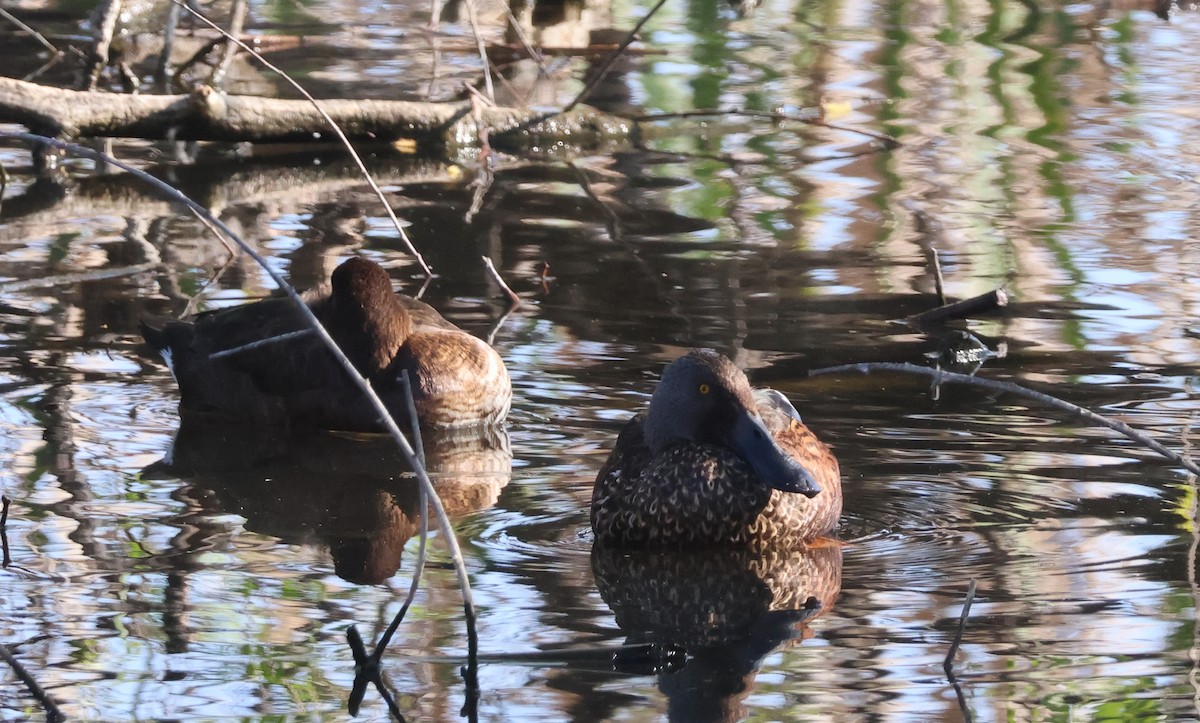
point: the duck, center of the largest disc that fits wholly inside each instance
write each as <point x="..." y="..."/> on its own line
<point x="714" y="462"/>
<point x="457" y="379"/>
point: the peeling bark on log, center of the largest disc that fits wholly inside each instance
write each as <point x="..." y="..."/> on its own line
<point x="209" y="115"/>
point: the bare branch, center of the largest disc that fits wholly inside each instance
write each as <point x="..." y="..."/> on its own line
<point x="612" y="58"/>
<point x="33" y="33"/>
<point x="948" y="663"/>
<point x="991" y="301"/>
<point x="888" y="141"/>
<point x="512" y="295"/>
<point x="940" y="377"/>
<point x="260" y="343"/>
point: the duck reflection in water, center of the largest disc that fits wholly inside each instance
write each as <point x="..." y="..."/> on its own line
<point x="725" y="609"/>
<point x="354" y="495"/>
<point x="709" y="516"/>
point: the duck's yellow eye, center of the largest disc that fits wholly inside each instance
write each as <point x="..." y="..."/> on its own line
<point x="704" y="389"/>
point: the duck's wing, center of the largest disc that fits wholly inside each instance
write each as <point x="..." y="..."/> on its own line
<point x="629" y="456"/>
<point x="278" y="368"/>
<point x="424" y="315"/>
<point x="775" y="409"/>
<point x="821" y="513"/>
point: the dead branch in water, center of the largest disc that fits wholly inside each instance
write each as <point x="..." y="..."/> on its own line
<point x="209" y="115"/>
<point x="940" y="377"/>
<point x="4" y="531"/>
<point x="514" y="300"/>
<point x="948" y="663"/>
<point x="991" y="301"/>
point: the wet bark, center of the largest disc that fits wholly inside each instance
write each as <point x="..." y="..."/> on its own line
<point x="209" y="115"/>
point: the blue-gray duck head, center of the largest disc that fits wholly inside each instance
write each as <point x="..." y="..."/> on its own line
<point x="704" y="398"/>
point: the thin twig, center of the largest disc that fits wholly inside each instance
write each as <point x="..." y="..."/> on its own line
<point x="473" y="18"/>
<point x="422" y="503"/>
<point x="162" y="69"/>
<point x="940" y="377"/>
<point x="368" y="672"/>
<point x="470" y="676"/>
<point x="534" y="55"/>
<point x="435" y="56"/>
<point x="889" y="141"/>
<point x="3" y="183"/>
<point x="512" y="295"/>
<point x="387" y="207"/>
<point x="67" y="279"/>
<point x="193" y="302"/>
<point x="435" y="14"/>
<point x="613" y="226"/>
<point x="5" y="502"/>
<point x="237" y="23"/>
<point x="261" y="343"/>
<point x="410" y="405"/>
<point x="35" y="34"/>
<point x="52" y="711"/>
<point x="196" y="58"/>
<point x="322" y="333"/>
<point x="948" y="663"/>
<point x="233" y="250"/>
<point x="53" y="61"/>
<point x="611" y="60"/>
<point x="938" y="284"/>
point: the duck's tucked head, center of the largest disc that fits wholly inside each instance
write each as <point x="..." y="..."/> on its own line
<point x="361" y="281"/>
<point x="366" y="319"/>
<point x="704" y="398"/>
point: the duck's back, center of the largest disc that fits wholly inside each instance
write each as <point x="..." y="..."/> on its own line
<point x="458" y="379"/>
<point x="687" y="493"/>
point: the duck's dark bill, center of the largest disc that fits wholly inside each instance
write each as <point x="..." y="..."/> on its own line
<point x="772" y="465"/>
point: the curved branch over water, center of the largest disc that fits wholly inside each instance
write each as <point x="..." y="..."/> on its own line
<point x="940" y="376"/>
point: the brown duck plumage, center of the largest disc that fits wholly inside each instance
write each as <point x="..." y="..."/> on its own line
<point x="458" y="379"/>
<point x="714" y="462"/>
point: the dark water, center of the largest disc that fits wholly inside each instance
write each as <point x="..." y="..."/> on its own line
<point x="1052" y="152"/>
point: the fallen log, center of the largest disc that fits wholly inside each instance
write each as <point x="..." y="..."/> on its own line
<point x="210" y="115"/>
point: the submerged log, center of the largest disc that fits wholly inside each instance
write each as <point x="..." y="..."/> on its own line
<point x="210" y="115"/>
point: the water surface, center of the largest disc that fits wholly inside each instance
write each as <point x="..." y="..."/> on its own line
<point x="1052" y="153"/>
